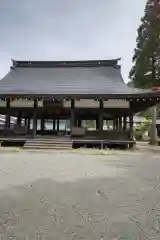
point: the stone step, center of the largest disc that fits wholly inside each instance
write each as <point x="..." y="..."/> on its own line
<point x="46" y="142"/>
<point x="47" y="147"/>
<point x="49" y="140"/>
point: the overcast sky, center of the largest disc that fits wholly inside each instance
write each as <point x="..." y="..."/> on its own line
<point x="68" y="30"/>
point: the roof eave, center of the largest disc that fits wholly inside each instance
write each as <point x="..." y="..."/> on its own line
<point x="85" y="96"/>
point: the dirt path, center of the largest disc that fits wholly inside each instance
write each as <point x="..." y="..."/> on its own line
<point x="79" y="196"/>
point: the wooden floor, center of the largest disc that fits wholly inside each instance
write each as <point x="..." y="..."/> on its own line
<point x="65" y="141"/>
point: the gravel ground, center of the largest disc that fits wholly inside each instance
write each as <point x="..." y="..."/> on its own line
<point x="68" y="196"/>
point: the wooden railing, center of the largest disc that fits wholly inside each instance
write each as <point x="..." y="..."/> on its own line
<point x="97" y="134"/>
<point x="16" y="131"/>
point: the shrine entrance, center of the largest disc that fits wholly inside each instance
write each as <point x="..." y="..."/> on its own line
<point x="52" y="119"/>
<point x="57" y="126"/>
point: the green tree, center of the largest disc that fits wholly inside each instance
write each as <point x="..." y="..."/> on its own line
<point x="146" y="60"/>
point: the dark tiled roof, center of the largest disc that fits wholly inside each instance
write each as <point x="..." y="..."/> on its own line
<point x="98" y="78"/>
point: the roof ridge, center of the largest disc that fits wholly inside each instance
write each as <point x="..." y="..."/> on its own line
<point x="79" y="63"/>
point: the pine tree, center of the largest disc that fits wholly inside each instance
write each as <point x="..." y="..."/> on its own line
<point x="146" y="60"/>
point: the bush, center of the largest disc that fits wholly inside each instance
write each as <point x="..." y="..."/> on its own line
<point x="144" y="127"/>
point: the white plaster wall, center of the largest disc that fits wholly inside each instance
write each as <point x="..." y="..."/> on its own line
<point x="25" y="103"/>
<point x="87" y="103"/>
<point x="116" y="103"/>
<point x="2" y="103"/>
<point x="66" y="104"/>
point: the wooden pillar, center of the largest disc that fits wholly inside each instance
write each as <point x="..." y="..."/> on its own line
<point x="101" y="117"/>
<point x="54" y="124"/>
<point x="28" y="123"/>
<point x="35" y="117"/>
<point x="101" y="121"/>
<point x="131" y="121"/>
<point x="131" y="125"/>
<point x="19" y="118"/>
<point x="25" y="121"/>
<point x="97" y="123"/>
<point x="42" y="123"/>
<point x="57" y="124"/>
<point x="116" y="124"/>
<point x="124" y="123"/>
<point x="79" y="122"/>
<point x="120" y="123"/>
<point x="8" y="116"/>
<point x="72" y="113"/>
